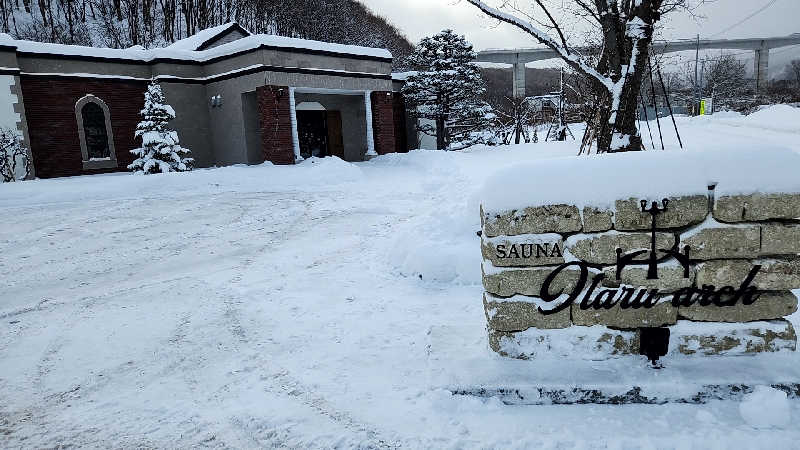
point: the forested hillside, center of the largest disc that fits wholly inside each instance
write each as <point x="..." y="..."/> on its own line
<point x="154" y="23"/>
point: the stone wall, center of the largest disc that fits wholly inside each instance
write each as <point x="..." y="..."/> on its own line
<point x="705" y="299"/>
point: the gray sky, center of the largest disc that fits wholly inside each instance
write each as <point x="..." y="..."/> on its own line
<point x="418" y="18"/>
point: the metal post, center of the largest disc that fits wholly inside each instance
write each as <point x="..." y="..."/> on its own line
<point x="669" y="105"/>
<point x="655" y="106"/>
<point x="696" y="106"/>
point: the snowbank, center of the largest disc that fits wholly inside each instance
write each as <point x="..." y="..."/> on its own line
<point x="781" y="118"/>
<point x="599" y="180"/>
<point x="312" y="175"/>
<point x="766" y="407"/>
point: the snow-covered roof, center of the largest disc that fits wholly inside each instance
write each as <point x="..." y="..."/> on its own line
<point x="240" y="45"/>
<point x="202" y="38"/>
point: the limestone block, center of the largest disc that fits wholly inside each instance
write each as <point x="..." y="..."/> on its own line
<point x="525" y="250"/>
<point x="593" y="343"/>
<point x="769" y="305"/>
<point x="670" y="277"/>
<point x="730" y="339"/>
<point x="508" y="282"/>
<point x="779" y="239"/>
<point x="595" y="219"/>
<point x="774" y="274"/>
<point x="663" y="313"/>
<point x="602" y="248"/>
<point x="532" y="220"/>
<point x="724" y="242"/>
<point x="681" y="211"/>
<point x="758" y="206"/>
<point x="519" y="313"/>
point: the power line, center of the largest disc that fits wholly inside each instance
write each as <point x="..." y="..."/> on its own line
<point x="758" y="11"/>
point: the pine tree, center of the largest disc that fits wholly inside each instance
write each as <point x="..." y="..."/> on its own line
<point x="161" y="151"/>
<point x="446" y="89"/>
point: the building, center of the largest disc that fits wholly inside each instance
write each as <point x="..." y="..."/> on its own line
<point x="239" y="99"/>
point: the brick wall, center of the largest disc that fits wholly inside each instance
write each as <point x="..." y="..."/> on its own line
<point x="53" y="128"/>
<point x="383" y="121"/>
<point x="275" y="123"/>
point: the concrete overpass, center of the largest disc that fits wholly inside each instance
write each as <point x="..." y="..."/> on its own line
<point x="518" y="57"/>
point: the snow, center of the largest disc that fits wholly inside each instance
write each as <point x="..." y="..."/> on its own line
<point x="181" y="53"/>
<point x="766" y="407"/>
<point x="282" y="306"/>
<point x="774" y="118"/>
<point x="194" y="41"/>
<point x="599" y="180"/>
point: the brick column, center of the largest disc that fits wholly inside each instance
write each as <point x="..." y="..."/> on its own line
<point x="275" y="124"/>
<point x="383" y="121"/>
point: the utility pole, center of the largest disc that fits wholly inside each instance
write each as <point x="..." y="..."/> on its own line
<point x="696" y="106"/>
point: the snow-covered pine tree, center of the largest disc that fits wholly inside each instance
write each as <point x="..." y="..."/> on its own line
<point x="446" y="89"/>
<point x="161" y="151"/>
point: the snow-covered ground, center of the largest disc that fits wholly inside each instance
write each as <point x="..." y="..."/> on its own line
<point x="290" y="306"/>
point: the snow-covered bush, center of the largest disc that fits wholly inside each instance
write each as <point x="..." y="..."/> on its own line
<point x="446" y="89"/>
<point x="161" y="151"/>
<point x="15" y="164"/>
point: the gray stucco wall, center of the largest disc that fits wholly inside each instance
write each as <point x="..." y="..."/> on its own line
<point x="191" y="119"/>
<point x="226" y="121"/>
<point x="49" y="65"/>
<point x="252" y="129"/>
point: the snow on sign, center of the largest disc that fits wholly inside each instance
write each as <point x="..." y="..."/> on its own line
<point x="706" y="270"/>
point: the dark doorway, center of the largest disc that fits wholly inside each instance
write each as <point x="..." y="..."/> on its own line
<point x="312" y="133"/>
<point x="320" y="133"/>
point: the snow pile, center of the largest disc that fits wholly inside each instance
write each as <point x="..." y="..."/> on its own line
<point x="333" y="169"/>
<point x="599" y="180"/>
<point x="766" y="407"/>
<point x="775" y="117"/>
<point x="780" y="118"/>
<point x="441" y="247"/>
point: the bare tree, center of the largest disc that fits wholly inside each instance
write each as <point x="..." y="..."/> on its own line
<point x="625" y="28"/>
<point x="725" y="80"/>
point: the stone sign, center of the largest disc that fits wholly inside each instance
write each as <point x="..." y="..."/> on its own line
<point x="715" y="272"/>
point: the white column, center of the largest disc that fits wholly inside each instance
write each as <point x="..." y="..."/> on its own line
<point x="368" y="114"/>
<point x="761" y="68"/>
<point x="518" y="80"/>
<point x="293" y="120"/>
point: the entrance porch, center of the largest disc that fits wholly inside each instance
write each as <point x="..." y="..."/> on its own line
<point x="290" y="124"/>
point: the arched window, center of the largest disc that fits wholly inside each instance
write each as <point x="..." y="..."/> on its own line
<point x="96" y="135"/>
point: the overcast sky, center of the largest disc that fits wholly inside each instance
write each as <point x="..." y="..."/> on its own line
<point x="418" y="18"/>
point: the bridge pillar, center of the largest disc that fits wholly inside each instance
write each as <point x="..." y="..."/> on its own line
<point x="518" y="79"/>
<point x="761" y="68"/>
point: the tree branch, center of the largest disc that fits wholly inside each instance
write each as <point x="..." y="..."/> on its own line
<point x="574" y="61"/>
<point x="555" y="25"/>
